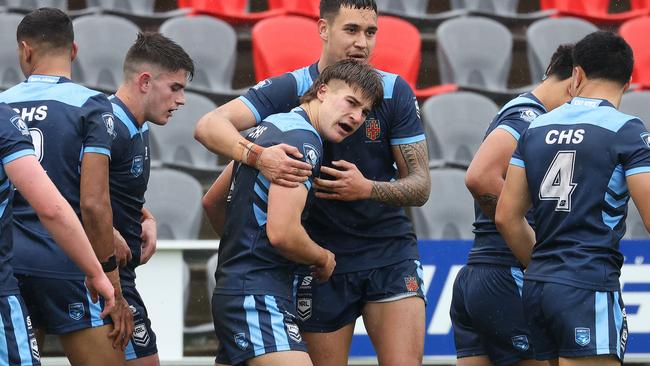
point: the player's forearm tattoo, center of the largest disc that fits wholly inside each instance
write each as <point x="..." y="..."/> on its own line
<point x="412" y="190"/>
<point x="488" y="204"/>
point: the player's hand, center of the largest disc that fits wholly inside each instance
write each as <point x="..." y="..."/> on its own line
<point x="149" y="237"/>
<point x="323" y="271"/>
<point x="279" y="168"/>
<point x="101" y="286"/>
<point x="121" y="315"/>
<point x="122" y="251"/>
<point x="348" y="183"/>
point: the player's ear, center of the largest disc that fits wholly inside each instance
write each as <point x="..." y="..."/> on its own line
<point x="73" y="51"/>
<point x="323" y="28"/>
<point x="24" y="52"/>
<point x="144" y="81"/>
<point x="577" y="79"/>
<point x="322" y="91"/>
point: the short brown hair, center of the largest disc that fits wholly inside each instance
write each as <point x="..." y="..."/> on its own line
<point x="155" y="49"/>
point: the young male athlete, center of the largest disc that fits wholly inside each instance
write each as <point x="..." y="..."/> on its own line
<point x="19" y="168"/>
<point x="578" y="165"/>
<point x="486" y="310"/>
<point x="71" y="127"/>
<point x="263" y="239"/>
<point x="359" y="217"/>
<point x="156" y="71"/>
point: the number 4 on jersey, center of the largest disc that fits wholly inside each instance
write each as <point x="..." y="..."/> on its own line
<point x="558" y="181"/>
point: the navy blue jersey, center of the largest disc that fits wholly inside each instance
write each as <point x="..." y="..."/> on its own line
<point x="363" y="234"/>
<point x="576" y="159"/>
<point x="248" y="263"/>
<point x="65" y="121"/>
<point x="14" y="144"/>
<point x="129" y="176"/>
<point x="489" y="247"/>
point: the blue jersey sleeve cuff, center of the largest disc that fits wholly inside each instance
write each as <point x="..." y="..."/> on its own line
<point x="517" y="162"/>
<point x="407" y="140"/>
<point x="250" y="106"/>
<point x="641" y="169"/>
<point x="18" y="154"/>
<point x="97" y="150"/>
<point x="511" y="131"/>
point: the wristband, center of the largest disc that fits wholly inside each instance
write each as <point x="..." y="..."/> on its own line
<point x="110" y="265"/>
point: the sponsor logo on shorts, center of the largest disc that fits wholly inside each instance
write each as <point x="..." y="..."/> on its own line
<point x="411" y="283"/>
<point x="76" y="310"/>
<point x="583" y="336"/>
<point x="304" y="308"/>
<point x="294" y="332"/>
<point x="520" y="342"/>
<point x="241" y="341"/>
<point x="140" y="335"/>
<point x="306" y="281"/>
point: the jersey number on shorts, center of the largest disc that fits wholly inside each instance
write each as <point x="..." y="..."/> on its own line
<point x="37" y="141"/>
<point x="558" y="181"/>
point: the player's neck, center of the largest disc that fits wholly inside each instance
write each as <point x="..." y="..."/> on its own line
<point x="602" y="89"/>
<point x="132" y="102"/>
<point x="312" y="108"/>
<point x="53" y="66"/>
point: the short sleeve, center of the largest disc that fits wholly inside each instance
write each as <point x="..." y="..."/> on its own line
<point x="14" y="136"/>
<point x="518" y="120"/>
<point x="406" y="126"/>
<point x="633" y="147"/>
<point x="271" y="96"/>
<point x="518" y="156"/>
<point x="98" y="125"/>
<point x="310" y="147"/>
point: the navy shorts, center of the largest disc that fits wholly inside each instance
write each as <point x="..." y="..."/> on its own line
<point x="566" y="321"/>
<point x="249" y="326"/>
<point x="488" y="316"/>
<point x="326" y="307"/>
<point x="143" y="340"/>
<point x="17" y="342"/>
<point x="60" y="306"/>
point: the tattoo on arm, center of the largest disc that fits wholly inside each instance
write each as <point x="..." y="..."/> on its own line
<point x="414" y="185"/>
<point x="488" y="204"/>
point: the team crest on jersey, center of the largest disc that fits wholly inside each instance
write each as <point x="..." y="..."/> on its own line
<point x="520" y="342"/>
<point x="373" y="129"/>
<point x="411" y="283"/>
<point x="645" y="137"/>
<point x="109" y="121"/>
<point x="583" y="336"/>
<point x="262" y="84"/>
<point x="304" y="308"/>
<point x="527" y="115"/>
<point x="141" y="335"/>
<point x="20" y="125"/>
<point x="311" y="154"/>
<point x="76" y="310"/>
<point x="241" y="341"/>
<point x="293" y="331"/>
<point x="137" y="166"/>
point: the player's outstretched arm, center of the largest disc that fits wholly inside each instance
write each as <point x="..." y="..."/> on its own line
<point x="215" y="199"/>
<point x="286" y="233"/>
<point x="149" y="236"/>
<point x="412" y="188"/>
<point x="60" y="220"/>
<point x="486" y="174"/>
<point x="510" y="217"/>
<point x="219" y="129"/>
<point x="639" y="187"/>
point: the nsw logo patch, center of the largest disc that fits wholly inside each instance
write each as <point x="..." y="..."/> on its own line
<point x="583" y="336"/>
<point x="76" y="310"/>
<point x="137" y="166"/>
<point x="520" y="342"/>
<point x="241" y="341"/>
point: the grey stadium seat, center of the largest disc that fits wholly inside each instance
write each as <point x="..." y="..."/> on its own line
<point x="637" y="104"/>
<point x="141" y="12"/>
<point x="103" y="41"/>
<point x="544" y="36"/>
<point x="174" y="198"/>
<point x="635" y="228"/>
<point x="25" y="6"/>
<point x="212" y="44"/>
<point x="415" y="11"/>
<point x="175" y="140"/>
<point x="449" y="213"/>
<point x="10" y="72"/>
<point x="474" y="52"/>
<point x="504" y="11"/>
<point x="455" y="125"/>
<point x="411" y="7"/>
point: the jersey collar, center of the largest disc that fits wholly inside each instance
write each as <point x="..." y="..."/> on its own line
<point x="313" y="71"/>
<point x="591" y="102"/>
<point x="47" y="79"/>
<point x="131" y="119"/>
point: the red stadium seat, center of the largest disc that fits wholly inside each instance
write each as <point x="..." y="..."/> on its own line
<point x="595" y="11"/>
<point x="232" y="11"/>
<point x="639" y="4"/>
<point x="635" y="33"/>
<point x="308" y="8"/>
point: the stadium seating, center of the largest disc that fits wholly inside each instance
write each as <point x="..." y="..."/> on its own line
<point x="455" y="124"/>
<point x="10" y="72"/>
<point x="233" y="11"/>
<point x="595" y="11"/>
<point x="307" y="8"/>
<point x="449" y="213"/>
<point x="177" y="147"/>
<point x="212" y="44"/>
<point x="174" y="199"/>
<point x="637" y="104"/>
<point x="25" y="6"/>
<point x="635" y="228"/>
<point x="636" y="33"/>
<point x="544" y="36"/>
<point x="415" y="12"/>
<point x="140" y="12"/>
<point x="103" y="41"/>
<point x="504" y="11"/>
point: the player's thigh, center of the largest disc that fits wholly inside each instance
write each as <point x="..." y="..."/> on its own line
<point x="91" y="346"/>
<point x="151" y="360"/>
<point x="474" y="361"/>
<point x="590" y="361"/>
<point x="293" y="358"/>
<point x="536" y="363"/>
<point x="331" y="348"/>
<point x="396" y="329"/>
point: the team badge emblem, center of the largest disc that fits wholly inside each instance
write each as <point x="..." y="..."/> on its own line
<point x="527" y="115"/>
<point x="311" y="154"/>
<point x="520" y="342"/>
<point x="137" y="166"/>
<point x="33" y="345"/>
<point x="373" y="129"/>
<point x="76" y="310"/>
<point x="262" y="84"/>
<point x="304" y="308"/>
<point x="241" y="341"/>
<point x="411" y="283"/>
<point x="294" y="332"/>
<point x="20" y="125"/>
<point x="645" y="137"/>
<point x="583" y="336"/>
<point x="109" y="121"/>
<point x="140" y="335"/>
